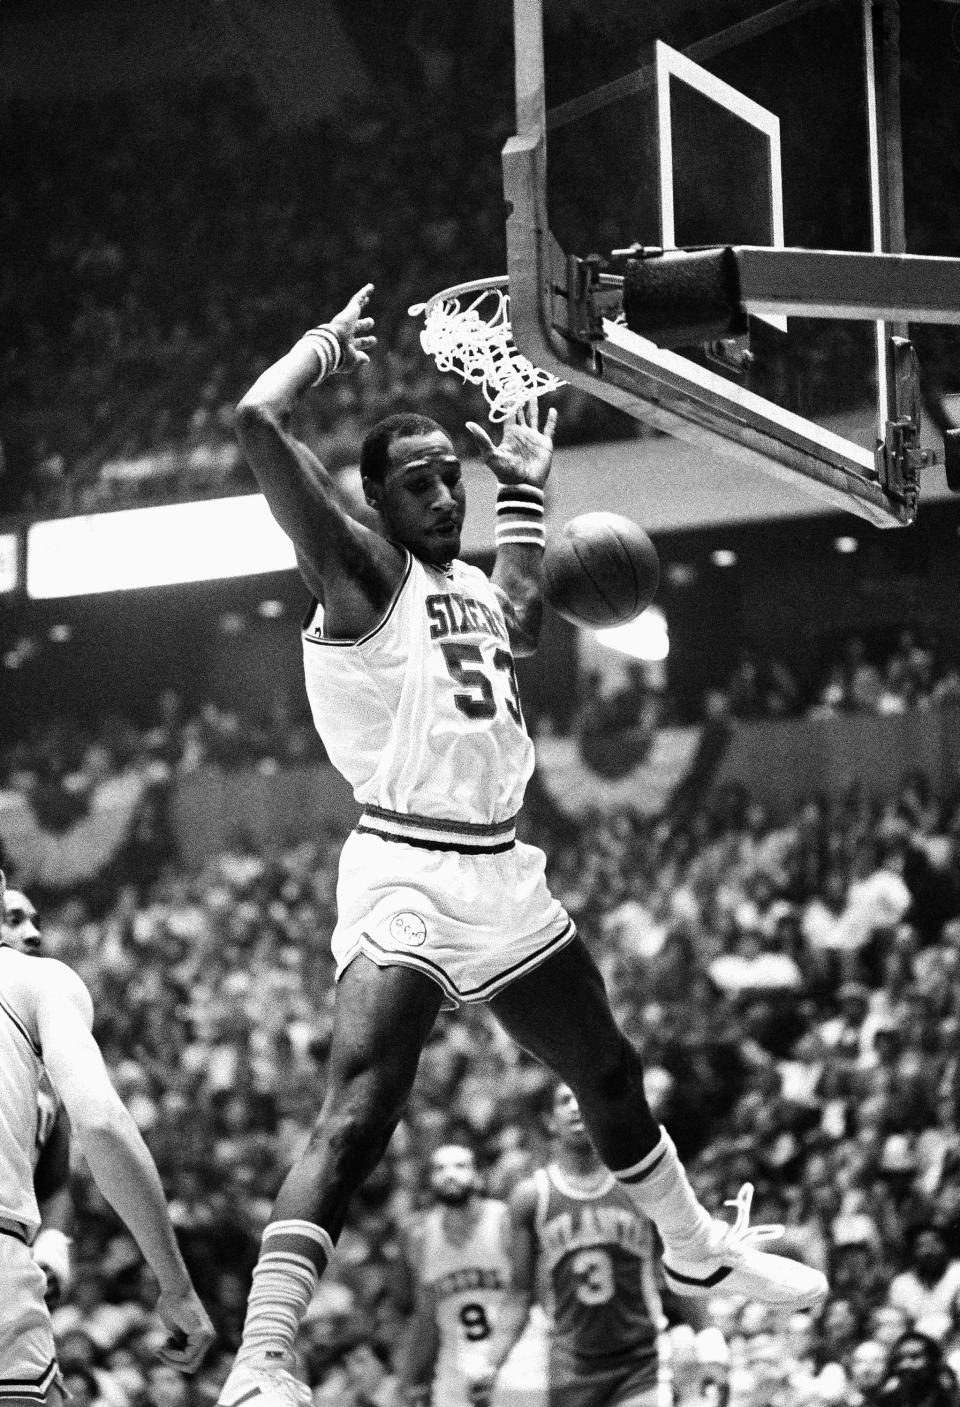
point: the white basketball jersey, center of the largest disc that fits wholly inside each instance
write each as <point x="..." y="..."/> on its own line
<point x="21" y="1075"/>
<point x="469" y="1280"/>
<point x="422" y="715"/>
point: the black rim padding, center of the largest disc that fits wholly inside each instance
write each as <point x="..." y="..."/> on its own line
<point x="684" y="297"/>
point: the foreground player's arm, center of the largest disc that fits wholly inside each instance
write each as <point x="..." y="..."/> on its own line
<point x="119" y="1160"/>
<point x="420" y="1342"/>
<point x="519" y="1242"/>
<point x="520" y="1245"/>
<point x="302" y="496"/>
<point x="523" y="459"/>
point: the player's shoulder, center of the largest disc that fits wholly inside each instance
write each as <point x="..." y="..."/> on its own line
<point x="412" y="1230"/>
<point x="494" y="1209"/>
<point x="525" y="1195"/>
<point x="466" y="574"/>
<point x="53" y="980"/>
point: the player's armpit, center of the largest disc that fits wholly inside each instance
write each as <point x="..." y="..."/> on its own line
<point x="51" y="1176"/>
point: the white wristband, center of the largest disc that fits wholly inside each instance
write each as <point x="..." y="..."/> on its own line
<point x="520" y="516"/>
<point x="326" y="344"/>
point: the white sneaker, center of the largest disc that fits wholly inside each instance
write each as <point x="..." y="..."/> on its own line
<point x="264" y="1384"/>
<point x="731" y="1265"/>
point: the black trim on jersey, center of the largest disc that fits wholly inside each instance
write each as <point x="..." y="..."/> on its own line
<point x="21" y="1028"/>
<point x="437" y="844"/>
<point x="435" y="823"/>
<point x="361" y="639"/>
<point x="442" y="978"/>
<point x="16" y="1233"/>
<point x="29" y="1387"/>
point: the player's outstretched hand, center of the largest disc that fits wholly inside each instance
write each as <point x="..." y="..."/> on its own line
<point x="525" y="452"/>
<point x="191" y="1332"/>
<point x="354" y="331"/>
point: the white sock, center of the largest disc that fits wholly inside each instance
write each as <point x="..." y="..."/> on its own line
<point x="292" y="1257"/>
<point x="661" y="1189"/>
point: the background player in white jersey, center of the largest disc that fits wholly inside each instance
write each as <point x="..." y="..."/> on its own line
<point x="456" y="1273"/>
<point x="45" y="1024"/>
<point x="408" y="655"/>
<point x="585" y="1251"/>
<point x="19" y="928"/>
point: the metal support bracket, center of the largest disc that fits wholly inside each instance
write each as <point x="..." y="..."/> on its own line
<point x="899" y="456"/>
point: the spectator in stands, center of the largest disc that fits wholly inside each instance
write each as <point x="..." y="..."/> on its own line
<point x="928" y="1290"/>
<point x="917" y="1376"/>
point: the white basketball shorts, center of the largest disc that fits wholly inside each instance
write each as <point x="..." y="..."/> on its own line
<point x="474" y="922"/>
<point x="28" y="1365"/>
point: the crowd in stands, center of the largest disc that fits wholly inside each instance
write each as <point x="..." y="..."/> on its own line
<point x="864" y="677"/>
<point x="132" y="324"/>
<point x="57" y="763"/>
<point x="63" y="757"/>
<point x="794" y="980"/>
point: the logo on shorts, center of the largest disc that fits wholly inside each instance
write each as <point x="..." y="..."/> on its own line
<point x="409" y="928"/>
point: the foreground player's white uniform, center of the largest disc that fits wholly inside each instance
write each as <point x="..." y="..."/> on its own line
<point x="460" y="899"/>
<point x="27" y="1360"/>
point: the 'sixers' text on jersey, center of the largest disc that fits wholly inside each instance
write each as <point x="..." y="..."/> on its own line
<point x="422" y="714"/>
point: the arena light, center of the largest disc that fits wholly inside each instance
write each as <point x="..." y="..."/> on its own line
<point x="145" y="547"/>
<point x="845" y="545"/>
<point x="645" y="638"/>
<point x="723" y="557"/>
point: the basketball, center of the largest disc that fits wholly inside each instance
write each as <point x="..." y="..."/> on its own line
<point x="600" y="569"/>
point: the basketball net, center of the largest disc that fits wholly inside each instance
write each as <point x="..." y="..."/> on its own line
<point x="467" y="331"/>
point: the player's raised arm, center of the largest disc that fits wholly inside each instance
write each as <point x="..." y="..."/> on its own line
<point x="521" y="464"/>
<point x="302" y="495"/>
<point x="119" y="1160"/>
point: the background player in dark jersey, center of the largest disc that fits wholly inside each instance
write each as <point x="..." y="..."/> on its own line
<point x="583" y="1248"/>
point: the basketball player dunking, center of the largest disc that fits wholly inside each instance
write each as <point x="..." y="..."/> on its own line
<point x="45" y="1020"/>
<point x="582" y="1246"/>
<point x="409" y="663"/>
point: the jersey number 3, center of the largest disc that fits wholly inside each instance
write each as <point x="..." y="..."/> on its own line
<point x="593" y="1271"/>
<point x="476" y="697"/>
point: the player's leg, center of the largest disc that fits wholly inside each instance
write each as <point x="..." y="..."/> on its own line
<point x="382" y="1017"/>
<point x="560" y="1013"/>
<point x="28" y="1369"/>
